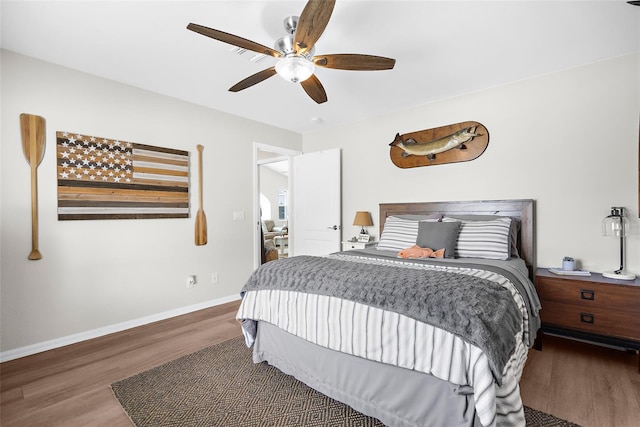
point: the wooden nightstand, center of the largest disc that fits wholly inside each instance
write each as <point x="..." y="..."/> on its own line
<point x="592" y="308"/>
<point x="349" y="246"/>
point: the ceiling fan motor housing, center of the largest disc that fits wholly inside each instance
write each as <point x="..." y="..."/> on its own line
<point x="290" y="24"/>
<point x="285" y="44"/>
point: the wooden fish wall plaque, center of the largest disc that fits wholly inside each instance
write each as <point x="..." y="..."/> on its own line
<point x="458" y="142"/>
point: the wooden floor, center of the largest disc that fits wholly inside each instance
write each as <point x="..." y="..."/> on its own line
<point x="70" y="386"/>
<point x="584" y="383"/>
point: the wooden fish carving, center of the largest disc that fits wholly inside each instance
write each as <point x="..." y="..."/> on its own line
<point x="410" y="147"/>
<point x="458" y="142"/>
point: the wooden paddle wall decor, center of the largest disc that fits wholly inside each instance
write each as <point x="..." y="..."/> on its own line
<point x="102" y="178"/>
<point x="459" y="142"/>
<point x="201" y="218"/>
<point x="32" y="128"/>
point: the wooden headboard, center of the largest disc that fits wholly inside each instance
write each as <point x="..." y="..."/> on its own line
<point x="521" y="208"/>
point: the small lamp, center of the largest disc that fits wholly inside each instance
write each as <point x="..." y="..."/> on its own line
<point x="616" y="225"/>
<point x="363" y="219"/>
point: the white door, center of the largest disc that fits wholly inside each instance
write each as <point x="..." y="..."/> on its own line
<point x="316" y="203"/>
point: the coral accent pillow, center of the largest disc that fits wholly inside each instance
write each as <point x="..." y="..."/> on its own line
<point x="416" y="251"/>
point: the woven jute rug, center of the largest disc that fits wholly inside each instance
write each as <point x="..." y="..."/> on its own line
<point x="221" y="386"/>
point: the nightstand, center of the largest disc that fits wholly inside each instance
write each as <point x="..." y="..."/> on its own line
<point x="591" y="308"/>
<point x="350" y="246"/>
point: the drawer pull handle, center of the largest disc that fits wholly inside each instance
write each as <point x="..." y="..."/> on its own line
<point x="587" y="294"/>
<point x="587" y="318"/>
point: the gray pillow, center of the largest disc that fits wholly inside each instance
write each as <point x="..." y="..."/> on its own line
<point x="399" y="233"/>
<point x="483" y="239"/>
<point x="513" y="231"/>
<point x="438" y="235"/>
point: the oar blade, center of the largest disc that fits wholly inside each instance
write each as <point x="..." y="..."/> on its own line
<point x="32" y="128"/>
<point x="201" y="228"/>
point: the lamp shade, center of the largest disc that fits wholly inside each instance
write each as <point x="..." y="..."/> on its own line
<point x="615" y="225"/>
<point x="294" y="68"/>
<point x="363" y="219"/>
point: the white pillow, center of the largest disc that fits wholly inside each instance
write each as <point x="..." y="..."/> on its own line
<point x="399" y="233"/>
<point x="483" y="239"/>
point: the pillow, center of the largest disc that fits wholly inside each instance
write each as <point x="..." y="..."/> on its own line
<point x="399" y="233"/>
<point x="416" y="251"/>
<point x="439" y="235"/>
<point x="513" y="231"/>
<point x="483" y="239"/>
<point x="417" y="217"/>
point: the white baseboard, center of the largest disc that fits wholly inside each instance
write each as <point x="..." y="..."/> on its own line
<point x="118" y="327"/>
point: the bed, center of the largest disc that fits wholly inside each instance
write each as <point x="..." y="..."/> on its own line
<point x="412" y="342"/>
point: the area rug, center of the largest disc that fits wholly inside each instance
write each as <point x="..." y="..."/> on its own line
<point x="221" y="386"/>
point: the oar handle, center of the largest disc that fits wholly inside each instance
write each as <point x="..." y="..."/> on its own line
<point x="35" y="253"/>
<point x="200" y="148"/>
<point x="33" y="162"/>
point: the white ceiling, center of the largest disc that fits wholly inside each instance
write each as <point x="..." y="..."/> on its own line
<point x="281" y="167"/>
<point x="442" y="48"/>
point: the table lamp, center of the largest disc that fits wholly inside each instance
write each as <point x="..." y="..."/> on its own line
<point x="616" y="225"/>
<point x="363" y="219"/>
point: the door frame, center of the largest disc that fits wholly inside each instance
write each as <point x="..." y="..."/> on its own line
<point x="280" y="155"/>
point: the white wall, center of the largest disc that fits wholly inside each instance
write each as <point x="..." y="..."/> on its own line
<point x="567" y="140"/>
<point x="95" y="274"/>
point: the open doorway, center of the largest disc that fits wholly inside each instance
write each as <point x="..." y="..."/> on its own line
<point x="272" y="202"/>
<point x="274" y="208"/>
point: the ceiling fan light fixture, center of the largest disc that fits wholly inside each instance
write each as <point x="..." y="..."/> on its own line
<point x="294" y="68"/>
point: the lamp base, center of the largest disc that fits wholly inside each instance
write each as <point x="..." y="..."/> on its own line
<point x="623" y="275"/>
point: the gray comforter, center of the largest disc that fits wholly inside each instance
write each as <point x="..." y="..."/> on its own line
<point x="480" y="311"/>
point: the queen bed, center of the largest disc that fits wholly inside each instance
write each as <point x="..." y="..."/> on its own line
<point x="412" y="342"/>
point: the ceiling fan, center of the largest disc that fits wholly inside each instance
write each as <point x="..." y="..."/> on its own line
<point x="295" y="52"/>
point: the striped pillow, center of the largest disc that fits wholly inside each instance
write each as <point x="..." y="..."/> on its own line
<point x="399" y="234"/>
<point x="483" y="239"/>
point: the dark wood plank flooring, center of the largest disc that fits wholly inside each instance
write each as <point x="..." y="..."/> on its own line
<point x="70" y="386"/>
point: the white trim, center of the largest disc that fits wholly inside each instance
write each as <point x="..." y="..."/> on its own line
<point x="106" y="330"/>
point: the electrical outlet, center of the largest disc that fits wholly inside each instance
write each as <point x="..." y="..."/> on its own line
<point x="191" y="281"/>
<point x="214" y="278"/>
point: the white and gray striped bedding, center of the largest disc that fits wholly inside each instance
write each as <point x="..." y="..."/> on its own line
<point x="395" y="339"/>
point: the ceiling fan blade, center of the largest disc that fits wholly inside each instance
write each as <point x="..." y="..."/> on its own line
<point x="313" y="20"/>
<point x="254" y="79"/>
<point x="353" y="61"/>
<point x="233" y="40"/>
<point x="314" y="89"/>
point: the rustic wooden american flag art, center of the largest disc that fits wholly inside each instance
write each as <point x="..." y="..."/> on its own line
<point x="101" y="178"/>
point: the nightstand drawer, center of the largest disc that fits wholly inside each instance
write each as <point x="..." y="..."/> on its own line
<point x="589" y="295"/>
<point x="349" y="246"/>
<point x="610" y="322"/>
